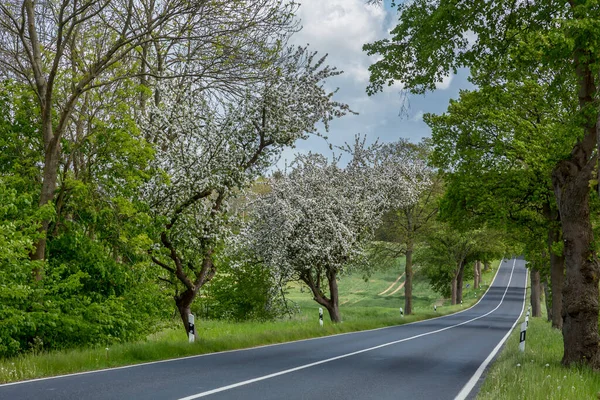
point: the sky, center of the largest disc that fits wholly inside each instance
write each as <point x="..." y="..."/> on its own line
<point x="340" y="28"/>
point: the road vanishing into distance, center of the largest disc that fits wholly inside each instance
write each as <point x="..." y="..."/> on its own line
<point x="441" y="358"/>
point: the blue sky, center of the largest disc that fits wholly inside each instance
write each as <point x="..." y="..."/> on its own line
<point x="340" y="28"/>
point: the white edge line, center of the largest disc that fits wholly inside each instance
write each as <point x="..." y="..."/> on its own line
<point x="301" y="367"/>
<point x="245" y="349"/>
<point x="466" y="390"/>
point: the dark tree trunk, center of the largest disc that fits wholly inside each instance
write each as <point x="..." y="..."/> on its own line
<point x="332" y="303"/>
<point x="408" y="271"/>
<point x="459" y="282"/>
<point x="333" y="308"/>
<point x="50" y="176"/>
<point x="184" y="302"/>
<point x="453" y="289"/>
<point x="536" y="292"/>
<point x="548" y="298"/>
<point x="580" y="291"/>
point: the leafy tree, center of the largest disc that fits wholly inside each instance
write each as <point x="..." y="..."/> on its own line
<point x="318" y="220"/>
<point x="500" y="144"/>
<point x="500" y="41"/>
<point x="407" y="224"/>
<point x="213" y="152"/>
<point x="48" y="46"/>
<point x="310" y="227"/>
<point x="96" y="288"/>
<point x="447" y="251"/>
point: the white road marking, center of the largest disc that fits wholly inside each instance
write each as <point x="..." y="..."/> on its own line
<point x="301" y="367"/>
<point x="473" y="381"/>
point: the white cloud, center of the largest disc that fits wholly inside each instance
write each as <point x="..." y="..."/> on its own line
<point x="445" y="83"/>
<point x="340" y="28"/>
<point x="418" y="116"/>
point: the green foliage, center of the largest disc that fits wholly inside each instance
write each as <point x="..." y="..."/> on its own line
<point x="241" y="293"/>
<point x="97" y="286"/>
<point x="446" y="248"/>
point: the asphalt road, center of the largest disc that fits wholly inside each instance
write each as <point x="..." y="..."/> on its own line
<point x="440" y="358"/>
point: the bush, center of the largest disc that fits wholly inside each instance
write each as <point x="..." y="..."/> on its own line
<point x="246" y="292"/>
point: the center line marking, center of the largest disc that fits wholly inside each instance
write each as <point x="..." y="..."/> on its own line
<point x="287" y="371"/>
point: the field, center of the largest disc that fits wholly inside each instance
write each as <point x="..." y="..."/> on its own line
<point x="362" y="307"/>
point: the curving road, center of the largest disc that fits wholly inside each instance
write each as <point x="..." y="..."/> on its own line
<point x="442" y="358"/>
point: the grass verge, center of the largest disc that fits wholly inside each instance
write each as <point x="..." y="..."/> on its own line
<point x="365" y="309"/>
<point x="537" y="373"/>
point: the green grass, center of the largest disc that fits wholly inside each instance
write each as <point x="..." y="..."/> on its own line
<point x="537" y="373"/>
<point x="362" y="309"/>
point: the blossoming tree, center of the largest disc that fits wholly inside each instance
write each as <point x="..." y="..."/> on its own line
<point x="208" y="149"/>
<point x="317" y="221"/>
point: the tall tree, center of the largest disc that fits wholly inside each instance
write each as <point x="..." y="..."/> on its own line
<point x="498" y="40"/>
<point x="406" y="224"/>
<point x="64" y="49"/>
<point x="212" y="151"/>
<point x="42" y="37"/>
<point x="317" y="221"/>
<point x="491" y="140"/>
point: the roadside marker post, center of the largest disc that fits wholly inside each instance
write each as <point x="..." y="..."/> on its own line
<point x="434" y="308"/>
<point x="401" y="312"/>
<point x="191" y="328"/>
<point x="321" y="317"/>
<point x="522" y="337"/>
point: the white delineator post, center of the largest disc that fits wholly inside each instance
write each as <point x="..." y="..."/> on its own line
<point x="522" y="337"/>
<point x="321" y="317"/>
<point x="401" y="312"/>
<point x="191" y="328"/>
<point x="434" y="308"/>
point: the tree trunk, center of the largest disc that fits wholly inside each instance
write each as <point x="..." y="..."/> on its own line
<point x="184" y="302"/>
<point x="548" y="298"/>
<point x="459" y="282"/>
<point x="408" y="273"/>
<point x="536" y="292"/>
<point x="486" y="266"/>
<point x="580" y="292"/>
<point x="476" y="271"/>
<point x="479" y="272"/>
<point x="570" y="180"/>
<point x="454" y="286"/>
<point x="331" y="304"/>
<point x="557" y="278"/>
<point x="50" y="176"/>
<point x="333" y="308"/>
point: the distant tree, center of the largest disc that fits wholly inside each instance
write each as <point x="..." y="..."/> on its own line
<point x="406" y="224"/>
<point x="447" y="251"/>
<point x="318" y="219"/>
